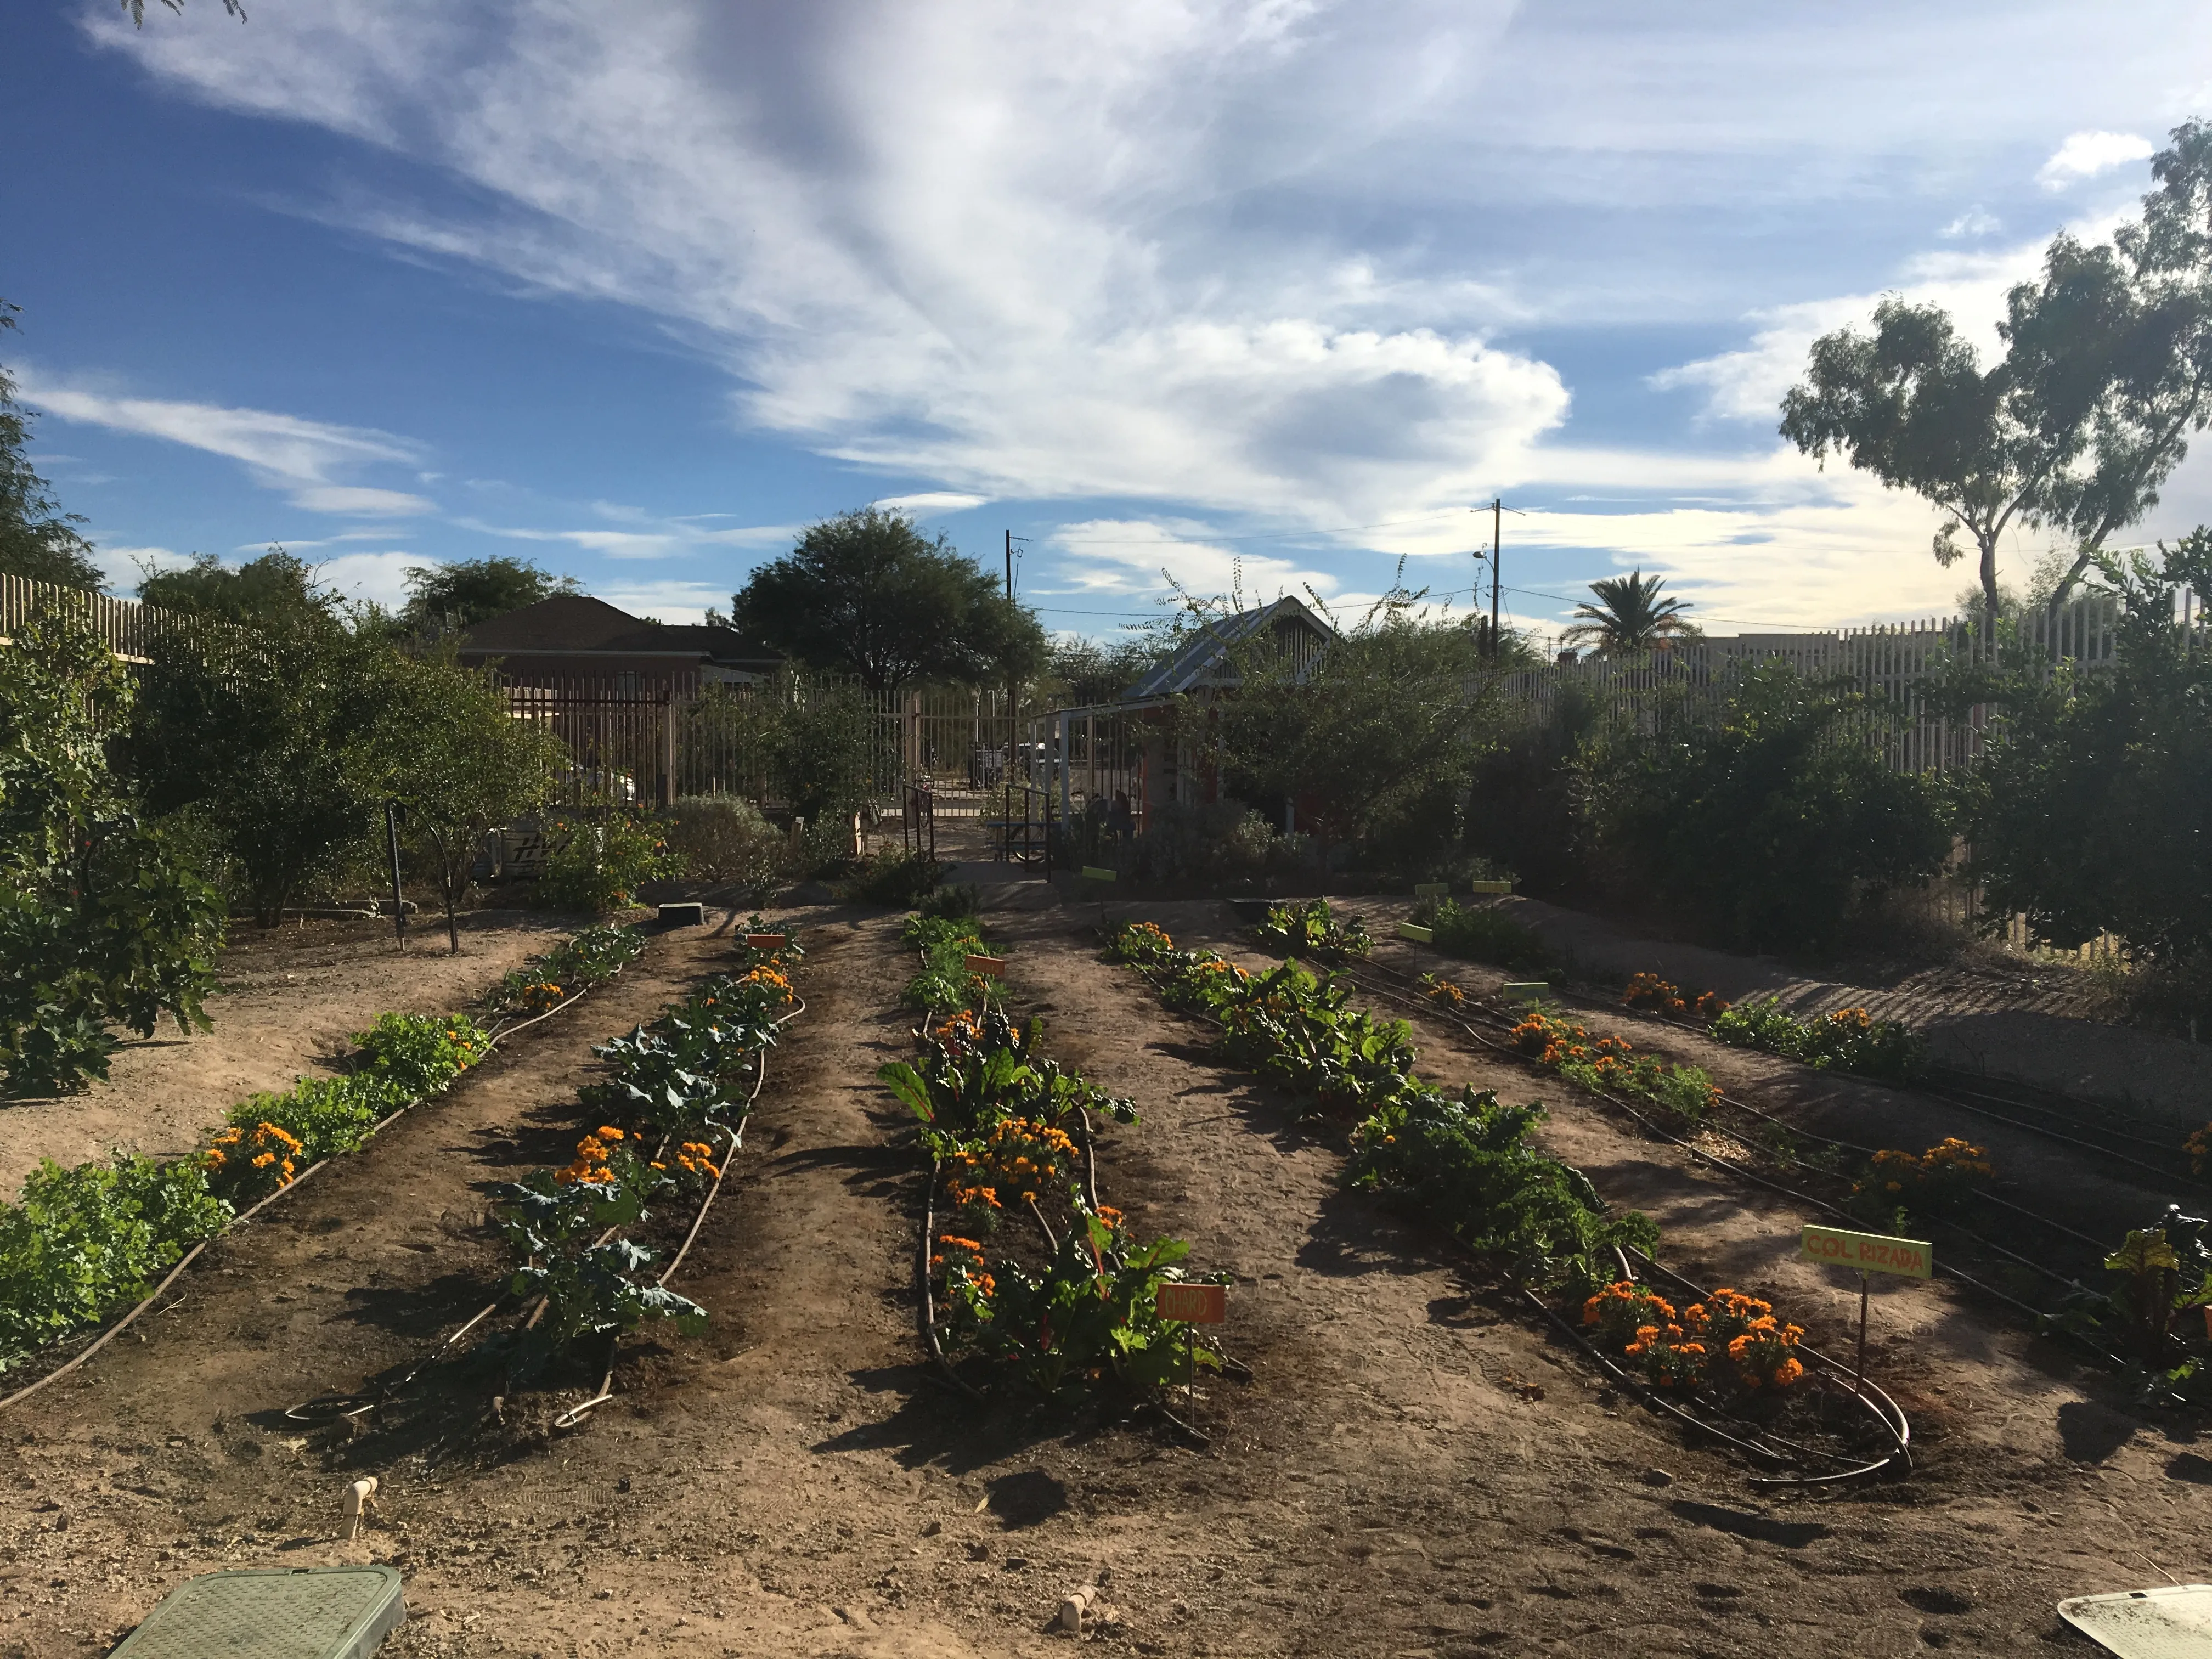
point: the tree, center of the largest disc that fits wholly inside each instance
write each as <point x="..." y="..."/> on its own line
<point x="2107" y="359"/>
<point x="38" y="540"/>
<point x="2092" y="808"/>
<point x="1374" y="738"/>
<point x="1769" y="828"/>
<point x="471" y="590"/>
<point x="101" y="921"/>
<point x="1085" y="671"/>
<point x="446" y="746"/>
<point x="1628" y="616"/>
<point x="275" y="590"/>
<point x="865" y="593"/>
<point x="261" y="734"/>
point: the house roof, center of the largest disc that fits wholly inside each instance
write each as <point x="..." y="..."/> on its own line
<point x="1204" y="659"/>
<point x="570" y="624"/>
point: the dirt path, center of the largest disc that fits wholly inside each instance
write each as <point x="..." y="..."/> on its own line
<point x="291" y="998"/>
<point x="1414" y="1472"/>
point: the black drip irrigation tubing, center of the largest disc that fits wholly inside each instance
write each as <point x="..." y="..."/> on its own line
<point x="1733" y="1103"/>
<point x="1953" y="1093"/>
<point x="1899" y="1432"/>
<point x="499" y="1036"/>
<point x="2036" y="1315"/>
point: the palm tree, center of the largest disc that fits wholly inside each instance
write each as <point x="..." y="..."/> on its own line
<point x="1628" y="616"/>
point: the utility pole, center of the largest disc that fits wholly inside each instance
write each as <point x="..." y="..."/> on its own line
<point x="1496" y="529"/>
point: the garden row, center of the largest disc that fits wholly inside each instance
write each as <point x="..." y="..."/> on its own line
<point x="1042" y="1284"/>
<point x="665" y="1126"/>
<point x="80" y="1241"/>
<point x="1466" y="1166"/>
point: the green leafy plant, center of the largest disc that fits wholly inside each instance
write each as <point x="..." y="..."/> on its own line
<point x="599" y="866"/>
<point x="1481" y="933"/>
<point x="81" y="1240"/>
<point x="101" y="924"/>
<point x="1611" y="1064"/>
<point x="1847" y="1039"/>
<point x="1312" y="929"/>
<point x="724" y="838"/>
<point x="554" y="1222"/>
<point x="900" y="879"/>
<point x="417" y="1054"/>
<point x="980" y="1070"/>
<point x="945" y="983"/>
<point x="1466" y="1165"/>
<point x="1088" y="1315"/>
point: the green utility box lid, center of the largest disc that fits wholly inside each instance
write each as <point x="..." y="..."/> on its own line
<point x="309" y="1613"/>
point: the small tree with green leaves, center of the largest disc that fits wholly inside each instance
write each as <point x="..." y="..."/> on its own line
<point x="101" y="921"/>
<point x="447" y="748"/>
<point x="471" y="590"/>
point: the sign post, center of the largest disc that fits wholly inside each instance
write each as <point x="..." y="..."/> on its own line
<point x="1194" y="1305"/>
<point x="1867" y="1253"/>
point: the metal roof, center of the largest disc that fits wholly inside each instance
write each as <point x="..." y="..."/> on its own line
<point x="1202" y="660"/>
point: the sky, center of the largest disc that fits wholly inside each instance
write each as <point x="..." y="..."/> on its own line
<point x="1266" y="295"/>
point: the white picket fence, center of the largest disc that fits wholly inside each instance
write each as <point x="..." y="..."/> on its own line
<point x="1898" y="663"/>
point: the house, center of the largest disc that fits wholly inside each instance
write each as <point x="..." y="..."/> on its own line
<point x="572" y="636"/>
<point x="1127" y="746"/>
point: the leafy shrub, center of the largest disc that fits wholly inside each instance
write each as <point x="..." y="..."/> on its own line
<point x="1769" y="828"/>
<point x="325" y="1115"/>
<point x="1313" y="929"/>
<point x="979" y="1071"/>
<point x="899" y="879"/>
<point x="599" y="867"/>
<point x="1849" y="1039"/>
<point x="1185" y="844"/>
<point x="1612" y="1064"/>
<point x="945" y="983"/>
<point x="725" y="838"/>
<point x="550" y="1220"/>
<point x="81" y="1240"/>
<point x="1466" y="1164"/>
<point x="685" y="1075"/>
<point x="101" y="922"/>
<point x="413" y="1055"/>
<point x="1091" y="1311"/>
<point x="1481" y="933"/>
<point x="957" y="902"/>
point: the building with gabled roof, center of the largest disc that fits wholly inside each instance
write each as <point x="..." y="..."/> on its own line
<point x="573" y="636"/>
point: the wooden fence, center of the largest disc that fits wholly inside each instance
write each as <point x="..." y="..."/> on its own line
<point x="132" y="630"/>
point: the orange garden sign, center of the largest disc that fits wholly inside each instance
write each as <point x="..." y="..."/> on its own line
<point x="1194" y="1304"/>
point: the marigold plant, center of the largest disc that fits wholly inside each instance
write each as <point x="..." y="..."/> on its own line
<point x="1939" y="1179"/>
<point x="1669" y="1357"/>
<point x="246" y="1163"/>
<point x="1617" y="1313"/>
<point x="1443" y="991"/>
<point x="1764" y="1355"/>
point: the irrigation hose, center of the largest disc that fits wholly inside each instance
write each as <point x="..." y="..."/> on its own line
<point x="1649" y="1125"/>
<point x="291" y="1186"/>
<point x="576" y="1414"/>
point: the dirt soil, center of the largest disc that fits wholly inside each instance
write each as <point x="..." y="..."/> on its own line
<point x="1984" y="1011"/>
<point x="1416" y="1469"/>
<point x="291" y="997"/>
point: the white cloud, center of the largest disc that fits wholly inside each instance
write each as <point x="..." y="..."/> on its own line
<point x="281" y="452"/>
<point x="378" y="576"/>
<point x="2085" y="155"/>
<point x="126" y="567"/>
<point x="356" y="499"/>
<point x="925" y="502"/>
<point x="1973" y="222"/>
<point x="1108" y="557"/>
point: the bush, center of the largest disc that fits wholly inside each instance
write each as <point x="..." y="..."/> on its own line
<point x="1769" y="829"/>
<point x="81" y="1241"/>
<point x="1466" y="1164"/>
<point x="599" y="867"/>
<point x="1312" y="929"/>
<point x="724" y="838"/>
<point x="945" y="944"/>
<point x="898" y="879"/>
<point x="325" y="1115"/>
<point x="413" y="1055"/>
<point x="1481" y="933"/>
<point x="100" y="921"/>
<point x="1847" y="1039"/>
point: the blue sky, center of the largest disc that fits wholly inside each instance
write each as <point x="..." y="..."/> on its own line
<point x="636" y="291"/>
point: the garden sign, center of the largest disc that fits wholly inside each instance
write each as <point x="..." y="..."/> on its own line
<point x="1868" y="1252"/>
